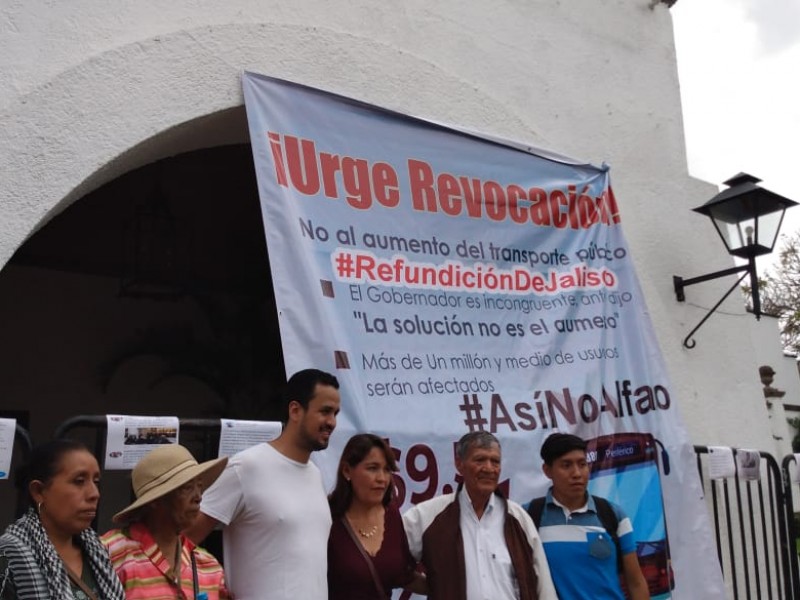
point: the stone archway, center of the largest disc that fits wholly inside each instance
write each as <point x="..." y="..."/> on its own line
<point x="132" y="105"/>
<point x="203" y="343"/>
<point x="77" y="143"/>
<point x="109" y="338"/>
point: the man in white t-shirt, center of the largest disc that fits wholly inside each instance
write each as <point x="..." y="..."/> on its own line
<point x="272" y="504"/>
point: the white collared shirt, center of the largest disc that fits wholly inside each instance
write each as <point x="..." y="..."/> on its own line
<point x="567" y="512"/>
<point x="490" y="574"/>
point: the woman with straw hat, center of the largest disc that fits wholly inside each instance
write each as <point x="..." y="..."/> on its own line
<point x="152" y="558"/>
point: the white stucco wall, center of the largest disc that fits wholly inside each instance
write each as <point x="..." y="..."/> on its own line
<point x="91" y="89"/>
<point x="769" y="351"/>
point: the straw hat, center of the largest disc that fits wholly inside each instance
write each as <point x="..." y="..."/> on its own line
<point x="164" y="470"/>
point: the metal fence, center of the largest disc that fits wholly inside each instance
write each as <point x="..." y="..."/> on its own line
<point x="22" y="441"/>
<point x="201" y="436"/>
<point x="789" y="490"/>
<point x="754" y="528"/>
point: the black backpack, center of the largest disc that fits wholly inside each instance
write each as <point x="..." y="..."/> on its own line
<point x="605" y="513"/>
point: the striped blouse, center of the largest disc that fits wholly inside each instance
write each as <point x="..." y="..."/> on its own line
<point x="145" y="572"/>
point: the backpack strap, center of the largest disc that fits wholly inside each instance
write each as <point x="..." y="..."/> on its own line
<point x="608" y="518"/>
<point x="535" y="509"/>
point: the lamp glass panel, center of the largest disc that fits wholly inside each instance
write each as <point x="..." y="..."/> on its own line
<point x="768" y="228"/>
<point x="737" y="235"/>
<point x="740" y="229"/>
<point x="750" y="237"/>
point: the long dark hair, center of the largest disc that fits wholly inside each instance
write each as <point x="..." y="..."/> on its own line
<point x="354" y="452"/>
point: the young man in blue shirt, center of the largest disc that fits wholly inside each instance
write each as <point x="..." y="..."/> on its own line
<point x="586" y="560"/>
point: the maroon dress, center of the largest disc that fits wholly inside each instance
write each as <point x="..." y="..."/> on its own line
<point x="349" y="576"/>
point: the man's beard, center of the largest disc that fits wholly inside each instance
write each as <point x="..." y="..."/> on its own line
<point x="314" y="444"/>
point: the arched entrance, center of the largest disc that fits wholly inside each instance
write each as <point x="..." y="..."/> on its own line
<point x="71" y="339"/>
<point x="149" y="295"/>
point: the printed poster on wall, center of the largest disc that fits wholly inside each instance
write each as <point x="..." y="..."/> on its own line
<point x="130" y="438"/>
<point x="456" y="283"/>
<point x="8" y="429"/>
<point x="236" y="435"/>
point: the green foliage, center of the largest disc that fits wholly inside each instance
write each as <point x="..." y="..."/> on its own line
<point x="795" y="424"/>
<point x="779" y="291"/>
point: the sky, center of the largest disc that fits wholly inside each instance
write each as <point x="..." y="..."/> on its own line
<point x="739" y="71"/>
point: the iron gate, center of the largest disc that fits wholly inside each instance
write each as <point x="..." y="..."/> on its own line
<point x="753" y="521"/>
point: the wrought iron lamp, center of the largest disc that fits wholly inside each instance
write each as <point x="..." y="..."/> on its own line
<point x="748" y="219"/>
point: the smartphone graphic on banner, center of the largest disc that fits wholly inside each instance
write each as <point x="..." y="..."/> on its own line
<point x="625" y="469"/>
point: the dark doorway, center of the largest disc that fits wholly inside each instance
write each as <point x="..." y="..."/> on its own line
<point x="150" y="295"/>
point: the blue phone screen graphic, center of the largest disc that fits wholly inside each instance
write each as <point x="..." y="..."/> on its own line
<point x="625" y="471"/>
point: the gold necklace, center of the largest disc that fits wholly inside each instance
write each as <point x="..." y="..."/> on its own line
<point x="369" y="532"/>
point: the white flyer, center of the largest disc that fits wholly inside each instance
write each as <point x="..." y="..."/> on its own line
<point x="236" y="435"/>
<point x="8" y="428"/>
<point x="720" y="462"/>
<point x="749" y="464"/>
<point x="130" y="438"/>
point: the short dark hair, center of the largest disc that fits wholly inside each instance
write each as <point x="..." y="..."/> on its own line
<point x="301" y="385"/>
<point x="354" y="452"/>
<point x="558" y="444"/>
<point x="44" y="463"/>
<point x="474" y="439"/>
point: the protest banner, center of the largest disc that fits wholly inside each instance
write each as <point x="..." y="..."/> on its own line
<point x="457" y="283"/>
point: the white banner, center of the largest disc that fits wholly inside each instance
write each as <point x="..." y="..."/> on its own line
<point x="453" y="284"/>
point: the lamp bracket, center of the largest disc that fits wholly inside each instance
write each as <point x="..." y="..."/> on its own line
<point x="679" y="282"/>
<point x="749" y="269"/>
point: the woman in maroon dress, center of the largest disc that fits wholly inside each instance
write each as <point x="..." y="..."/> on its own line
<point x="368" y="552"/>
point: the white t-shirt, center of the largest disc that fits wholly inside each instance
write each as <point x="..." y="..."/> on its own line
<point x="277" y="522"/>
